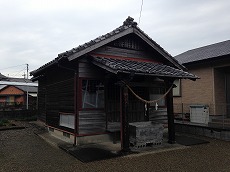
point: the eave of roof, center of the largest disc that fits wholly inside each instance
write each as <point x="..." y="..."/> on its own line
<point x="141" y="68"/>
<point x="30" y="89"/>
<point x="18" y="83"/>
<point x="208" y="52"/>
<point x="129" y="26"/>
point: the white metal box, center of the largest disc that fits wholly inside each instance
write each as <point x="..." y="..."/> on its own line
<point x="199" y="114"/>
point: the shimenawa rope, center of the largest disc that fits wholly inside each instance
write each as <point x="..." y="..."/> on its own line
<point x="147" y="101"/>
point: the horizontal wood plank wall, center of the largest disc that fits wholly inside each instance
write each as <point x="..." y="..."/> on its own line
<point x="42" y="101"/>
<point x="88" y="70"/>
<point x="114" y="51"/>
<point x="60" y="98"/>
<point x="91" y="122"/>
<point x="159" y="115"/>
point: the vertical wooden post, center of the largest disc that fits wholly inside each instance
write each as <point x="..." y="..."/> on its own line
<point x="75" y="107"/>
<point x="124" y="119"/>
<point x="170" y="115"/>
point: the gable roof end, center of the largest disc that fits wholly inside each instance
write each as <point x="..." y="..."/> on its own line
<point x="129" y="26"/>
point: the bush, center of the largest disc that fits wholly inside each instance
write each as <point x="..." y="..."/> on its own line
<point x="3" y="122"/>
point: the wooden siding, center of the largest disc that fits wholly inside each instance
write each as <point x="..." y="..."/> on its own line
<point x="56" y="94"/>
<point x="92" y="122"/>
<point x="159" y="115"/>
<point x="60" y="98"/>
<point x="88" y="70"/>
<point x="42" y="100"/>
<point x="112" y="101"/>
<point x="136" y="108"/>
<point x="114" y="51"/>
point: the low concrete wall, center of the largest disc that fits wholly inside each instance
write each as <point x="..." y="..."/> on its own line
<point x="216" y="133"/>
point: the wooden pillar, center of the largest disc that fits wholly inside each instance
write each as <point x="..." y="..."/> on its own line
<point x="170" y="115"/>
<point x="124" y="119"/>
<point x="75" y="107"/>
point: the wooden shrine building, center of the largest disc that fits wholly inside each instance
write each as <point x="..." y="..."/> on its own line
<point x="106" y="81"/>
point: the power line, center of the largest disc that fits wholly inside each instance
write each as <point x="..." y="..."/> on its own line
<point x="18" y="72"/>
<point x="142" y="1"/>
<point x="12" y="67"/>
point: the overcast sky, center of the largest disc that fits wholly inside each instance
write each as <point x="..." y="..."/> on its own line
<point x="34" y="32"/>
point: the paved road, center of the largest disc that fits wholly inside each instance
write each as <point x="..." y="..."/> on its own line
<point x="22" y="150"/>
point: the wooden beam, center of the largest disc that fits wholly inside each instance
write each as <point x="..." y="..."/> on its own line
<point x="75" y="107"/>
<point x="124" y="119"/>
<point x="170" y="115"/>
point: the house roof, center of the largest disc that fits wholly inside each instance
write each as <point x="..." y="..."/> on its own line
<point x="18" y="83"/>
<point x="204" y="53"/>
<point x="129" y="26"/>
<point x="2" y="76"/>
<point x="141" y="68"/>
<point x="23" y="80"/>
<point x="30" y="89"/>
<point x="2" y="86"/>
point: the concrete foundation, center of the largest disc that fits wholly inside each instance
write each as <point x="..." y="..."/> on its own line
<point x="80" y="140"/>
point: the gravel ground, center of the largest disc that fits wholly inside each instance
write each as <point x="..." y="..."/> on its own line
<point x="23" y="150"/>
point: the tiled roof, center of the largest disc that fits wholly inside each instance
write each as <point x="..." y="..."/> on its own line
<point x="205" y="53"/>
<point x="6" y="82"/>
<point x="30" y="89"/>
<point x="128" y="24"/>
<point x="140" y="68"/>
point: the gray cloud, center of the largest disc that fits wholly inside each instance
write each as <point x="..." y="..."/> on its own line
<point x="34" y="32"/>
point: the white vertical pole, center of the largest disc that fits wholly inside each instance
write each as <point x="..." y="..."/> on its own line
<point x="27" y="98"/>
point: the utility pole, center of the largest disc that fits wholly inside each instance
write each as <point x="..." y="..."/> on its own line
<point x="27" y="96"/>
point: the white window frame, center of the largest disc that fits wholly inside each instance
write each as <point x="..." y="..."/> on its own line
<point x="177" y="89"/>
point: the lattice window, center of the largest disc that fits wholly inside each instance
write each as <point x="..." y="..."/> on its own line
<point x="128" y="43"/>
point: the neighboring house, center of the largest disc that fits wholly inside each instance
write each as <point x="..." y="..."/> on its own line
<point x="13" y="93"/>
<point x="212" y="64"/>
<point x="2" y="77"/>
<point x="84" y="91"/>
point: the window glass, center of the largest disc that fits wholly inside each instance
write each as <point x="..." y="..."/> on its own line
<point x="177" y="89"/>
<point x="92" y="94"/>
<point x="67" y="120"/>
